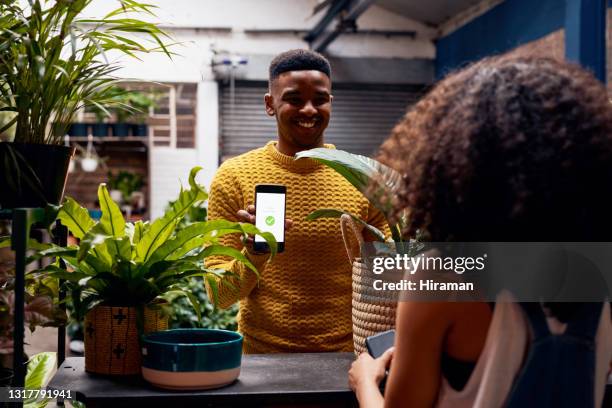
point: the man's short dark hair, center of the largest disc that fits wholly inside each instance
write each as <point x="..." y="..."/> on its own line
<point x="299" y="60"/>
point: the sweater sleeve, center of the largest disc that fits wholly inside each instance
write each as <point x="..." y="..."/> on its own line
<point x="225" y="200"/>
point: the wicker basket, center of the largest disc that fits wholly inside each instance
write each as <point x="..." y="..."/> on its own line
<point x="372" y="311"/>
<point x="112" y="345"/>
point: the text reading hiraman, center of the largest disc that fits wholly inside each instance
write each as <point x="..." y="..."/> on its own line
<point x="422" y="285"/>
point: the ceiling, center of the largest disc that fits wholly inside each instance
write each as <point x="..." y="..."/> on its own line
<point x="430" y="12"/>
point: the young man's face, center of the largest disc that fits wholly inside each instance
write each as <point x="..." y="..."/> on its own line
<point x="301" y="102"/>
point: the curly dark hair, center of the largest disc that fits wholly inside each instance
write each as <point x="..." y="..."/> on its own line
<point x="507" y="149"/>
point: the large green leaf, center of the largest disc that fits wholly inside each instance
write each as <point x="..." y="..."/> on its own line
<point x="91" y="245"/>
<point x="229" y="252"/>
<point x="60" y="273"/>
<point x="334" y="213"/>
<point x="362" y="172"/>
<point x="119" y="248"/>
<point x="112" y="220"/>
<point x="40" y="370"/>
<point x="75" y="218"/>
<point x="162" y="228"/>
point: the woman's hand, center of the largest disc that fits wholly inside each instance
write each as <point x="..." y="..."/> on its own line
<point x="365" y="375"/>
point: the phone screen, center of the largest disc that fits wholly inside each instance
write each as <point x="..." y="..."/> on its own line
<point x="270" y="214"/>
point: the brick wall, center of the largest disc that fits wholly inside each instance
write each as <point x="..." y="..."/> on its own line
<point x="552" y="45"/>
<point x="126" y="156"/>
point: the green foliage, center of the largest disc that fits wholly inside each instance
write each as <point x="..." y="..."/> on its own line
<point x="210" y="317"/>
<point x="125" y="104"/>
<point x="40" y="309"/>
<point x="377" y="182"/>
<point x="125" y="182"/>
<point x="54" y="62"/>
<point x="40" y="369"/>
<point x="133" y="264"/>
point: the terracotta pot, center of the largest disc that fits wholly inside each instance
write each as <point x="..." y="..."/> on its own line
<point x="112" y="344"/>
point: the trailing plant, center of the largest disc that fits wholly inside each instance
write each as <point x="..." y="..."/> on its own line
<point x="134" y="264"/>
<point x="377" y="182"/>
<point x="53" y="61"/>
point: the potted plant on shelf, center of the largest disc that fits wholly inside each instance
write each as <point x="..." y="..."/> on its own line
<point x="53" y="63"/>
<point x="125" y="188"/>
<point x="120" y="273"/>
<point x="132" y="112"/>
<point x="142" y="102"/>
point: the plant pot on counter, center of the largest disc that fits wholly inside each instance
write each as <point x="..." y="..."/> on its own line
<point x="140" y="129"/>
<point x="33" y="174"/>
<point x="191" y="359"/>
<point x="120" y="129"/>
<point x="372" y="311"/>
<point x="112" y="343"/>
<point x="99" y="129"/>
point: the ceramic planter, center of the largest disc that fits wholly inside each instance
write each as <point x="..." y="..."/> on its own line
<point x="140" y="130"/>
<point x="120" y="129"/>
<point x="191" y="359"/>
<point x="99" y="129"/>
<point x="111" y="338"/>
<point x="78" y="129"/>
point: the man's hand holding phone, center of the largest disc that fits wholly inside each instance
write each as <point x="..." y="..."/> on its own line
<point x="248" y="215"/>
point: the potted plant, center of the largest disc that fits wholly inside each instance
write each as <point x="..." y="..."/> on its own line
<point x="141" y="102"/>
<point x="125" y="184"/>
<point x="121" y="272"/>
<point x="372" y="313"/>
<point x="53" y="63"/>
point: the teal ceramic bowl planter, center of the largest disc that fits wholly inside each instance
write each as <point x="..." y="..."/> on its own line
<point x="191" y="359"/>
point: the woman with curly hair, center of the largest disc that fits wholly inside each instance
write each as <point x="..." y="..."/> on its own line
<point x="507" y="149"/>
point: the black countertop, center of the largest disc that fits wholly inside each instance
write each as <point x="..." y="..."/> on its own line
<point x="316" y="379"/>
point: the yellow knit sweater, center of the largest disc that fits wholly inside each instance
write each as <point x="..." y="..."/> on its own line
<point x="302" y="301"/>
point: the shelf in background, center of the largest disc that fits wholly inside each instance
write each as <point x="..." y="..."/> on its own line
<point x="142" y="139"/>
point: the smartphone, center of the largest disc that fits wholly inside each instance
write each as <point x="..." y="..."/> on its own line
<point x="379" y="343"/>
<point x="270" y="215"/>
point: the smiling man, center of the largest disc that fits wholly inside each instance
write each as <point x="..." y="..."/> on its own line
<point x="302" y="300"/>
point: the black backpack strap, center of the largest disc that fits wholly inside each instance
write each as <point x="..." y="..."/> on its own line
<point x="585" y="321"/>
<point x="537" y="320"/>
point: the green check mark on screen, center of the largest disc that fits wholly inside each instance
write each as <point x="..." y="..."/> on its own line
<point x="270" y="220"/>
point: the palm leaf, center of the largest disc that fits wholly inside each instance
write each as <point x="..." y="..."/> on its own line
<point x="361" y="172"/>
